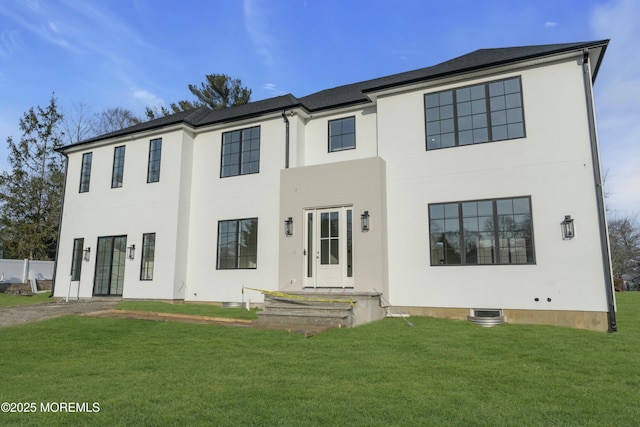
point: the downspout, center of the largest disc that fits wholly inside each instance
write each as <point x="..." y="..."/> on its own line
<point x="55" y="261"/>
<point x="602" y="219"/>
<point x="286" y="140"/>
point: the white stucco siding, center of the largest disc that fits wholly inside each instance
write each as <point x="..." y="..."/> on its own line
<point x="137" y="207"/>
<point x="215" y="199"/>
<point x="316" y="138"/>
<point x="552" y="165"/>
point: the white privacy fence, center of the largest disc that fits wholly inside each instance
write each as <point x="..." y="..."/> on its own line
<point x="20" y="271"/>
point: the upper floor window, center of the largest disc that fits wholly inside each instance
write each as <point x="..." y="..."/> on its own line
<point x="475" y="114"/>
<point x="240" y="152"/>
<point x="85" y="172"/>
<point x="155" y="151"/>
<point x="118" y="167"/>
<point x="237" y="244"/>
<point x="148" y="256"/>
<point x="498" y="231"/>
<point x="342" y="134"/>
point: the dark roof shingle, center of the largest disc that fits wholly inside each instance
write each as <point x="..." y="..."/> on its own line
<point x="355" y="93"/>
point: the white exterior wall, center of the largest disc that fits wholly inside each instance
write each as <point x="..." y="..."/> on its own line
<point x="135" y="208"/>
<point x="316" y="138"/>
<point x="552" y="165"/>
<point x="216" y="199"/>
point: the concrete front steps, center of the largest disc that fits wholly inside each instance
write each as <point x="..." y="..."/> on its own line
<point x="332" y="308"/>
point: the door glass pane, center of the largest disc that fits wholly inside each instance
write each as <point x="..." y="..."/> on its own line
<point x="349" y="243"/>
<point x="118" y="262"/>
<point x="334" y="251"/>
<point x="324" y="251"/>
<point x="310" y="244"/>
<point x="103" y="266"/>
<point x="334" y="224"/>
<point x="324" y="225"/>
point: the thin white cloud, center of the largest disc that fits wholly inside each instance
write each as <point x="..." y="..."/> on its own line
<point x="617" y="94"/>
<point x="149" y="99"/>
<point x="8" y="43"/>
<point x="550" y="24"/>
<point x="271" y="89"/>
<point x="256" y="22"/>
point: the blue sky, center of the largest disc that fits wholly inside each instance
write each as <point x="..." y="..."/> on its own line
<point x="137" y="53"/>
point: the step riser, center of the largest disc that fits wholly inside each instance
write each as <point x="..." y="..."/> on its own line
<point x="302" y="320"/>
<point x="304" y="311"/>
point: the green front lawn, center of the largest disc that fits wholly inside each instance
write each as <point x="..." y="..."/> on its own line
<point x="187" y="308"/>
<point x="440" y="372"/>
<point x="7" y="300"/>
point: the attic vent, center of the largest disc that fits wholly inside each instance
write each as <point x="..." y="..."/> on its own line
<point x="486" y="317"/>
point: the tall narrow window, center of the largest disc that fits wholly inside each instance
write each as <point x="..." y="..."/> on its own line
<point x="342" y="134"/>
<point x="76" y="260"/>
<point x="118" y="167"/>
<point x="475" y="114"/>
<point x="148" y="256"/>
<point x="155" y="151"/>
<point x="85" y="172"/>
<point x="237" y="244"/>
<point x="240" y="152"/>
<point x="498" y="231"/>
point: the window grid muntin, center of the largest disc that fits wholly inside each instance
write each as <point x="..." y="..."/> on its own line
<point x="148" y="256"/>
<point x="76" y="260"/>
<point x="85" y="172"/>
<point x="237" y="251"/>
<point x="240" y="152"/>
<point x="466" y="115"/>
<point x="510" y="242"/>
<point x="155" y="156"/>
<point x="118" y="167"/>
<point x="342" y="134"/>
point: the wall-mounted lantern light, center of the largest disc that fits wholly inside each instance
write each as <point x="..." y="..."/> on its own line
<point x="288" y="227"/>
<point x="131" y="251"/>
<point x="568" y="231"/>
<point x="87" y="254"/>
<point x="364" y="221"/>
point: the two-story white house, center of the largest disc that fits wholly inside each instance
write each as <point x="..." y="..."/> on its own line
<point x="469" y="186"/>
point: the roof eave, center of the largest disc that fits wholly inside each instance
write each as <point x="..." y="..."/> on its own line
<point x="602" y="44"/>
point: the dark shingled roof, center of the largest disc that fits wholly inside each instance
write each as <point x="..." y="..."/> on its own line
<point x="356" y="93"/>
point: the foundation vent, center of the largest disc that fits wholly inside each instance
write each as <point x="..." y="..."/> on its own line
<point x="486" y="317"/>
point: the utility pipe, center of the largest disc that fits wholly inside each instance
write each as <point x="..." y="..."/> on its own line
<point x="602" y="218"/>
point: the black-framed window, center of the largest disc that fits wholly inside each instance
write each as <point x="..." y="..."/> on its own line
<point x="118" y="167"/>
<point x="497" y="231"/>
<point x="76" y="260"/>
<point x="85" y="172"/>
<point x="148" y="256"/>
<point x="485" y="112"/>
<point x="342" y="134"/>
<point x="240" y="152"/>
<point x="237" y="244"/>
<point x="155" y="153"/>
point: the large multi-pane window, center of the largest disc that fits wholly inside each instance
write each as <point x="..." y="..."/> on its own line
<point x="155" y="152"/>
<point x="240" y="152"/>
<point x="118" y="167"/>
<point x="85" y="172"/>
<point x="498" y="231"/>
<point x="475" y="114"/>
<point x="342" y="134"/>
<point x="237" y="244"/>
<point x="148" y="256"/>
<point x="76" y="260"/>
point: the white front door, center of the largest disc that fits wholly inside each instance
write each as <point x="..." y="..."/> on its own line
<point x="329" y="247"/>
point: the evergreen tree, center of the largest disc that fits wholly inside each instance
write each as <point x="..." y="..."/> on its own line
<point x="218" y="91"/>
<point x="31" y="191"/>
